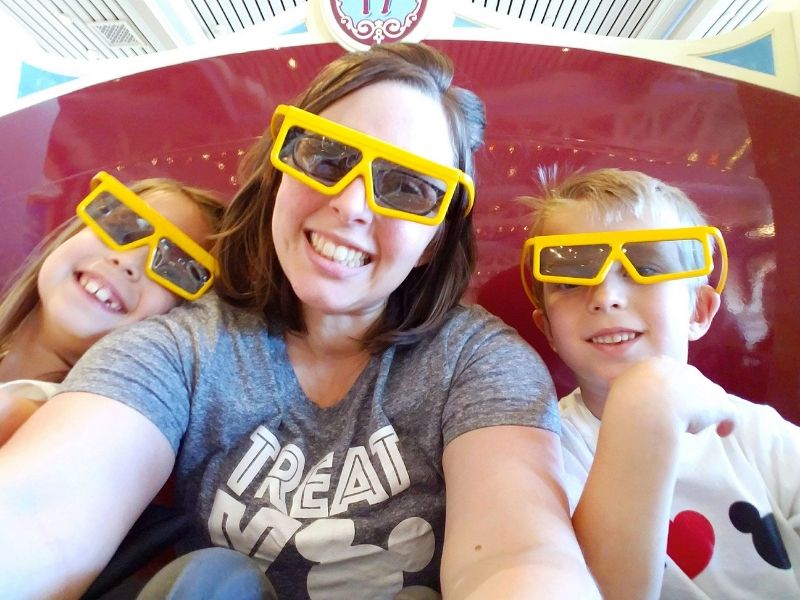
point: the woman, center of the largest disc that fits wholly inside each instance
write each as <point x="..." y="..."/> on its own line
<point x="316" y="411"/>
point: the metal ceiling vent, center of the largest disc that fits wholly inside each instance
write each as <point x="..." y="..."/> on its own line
<point x="117" y="34"/>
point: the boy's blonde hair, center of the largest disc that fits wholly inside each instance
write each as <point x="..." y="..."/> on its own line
<point x="611" y="195"/>
<point x="21" y="295"/>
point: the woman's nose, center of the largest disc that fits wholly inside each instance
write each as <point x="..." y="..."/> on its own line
<point x="350" y="205"/>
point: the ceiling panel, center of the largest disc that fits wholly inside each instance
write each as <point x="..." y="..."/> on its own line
<point x="652" y="19"/>
<point x="108" y="29"/>
<point x="221" y="17"/>
<point x="82" y="29"/>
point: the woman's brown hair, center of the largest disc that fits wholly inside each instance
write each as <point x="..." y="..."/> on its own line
<point x="251" y="274"/>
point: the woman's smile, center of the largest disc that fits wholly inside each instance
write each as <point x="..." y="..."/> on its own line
<point x="340" y="253"/>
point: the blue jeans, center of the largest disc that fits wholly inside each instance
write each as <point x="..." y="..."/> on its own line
<point x="211" y="574"/>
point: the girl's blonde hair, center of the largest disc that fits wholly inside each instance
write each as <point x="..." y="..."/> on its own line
<point x="21" y="294"/>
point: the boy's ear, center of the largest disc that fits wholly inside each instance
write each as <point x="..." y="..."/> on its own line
<point x="705" y="308"/>
<point x="541" y="321"/>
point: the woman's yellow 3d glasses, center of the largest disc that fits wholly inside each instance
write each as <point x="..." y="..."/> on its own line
<point x="648" y="256"/>
<point x="123" y="221"/>
<point x="327" y="157"/>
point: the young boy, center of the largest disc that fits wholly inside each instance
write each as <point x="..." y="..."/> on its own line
<point x="620" y="263"/>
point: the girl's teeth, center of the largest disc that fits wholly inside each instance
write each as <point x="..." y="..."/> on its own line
<point x="101" y="293"/>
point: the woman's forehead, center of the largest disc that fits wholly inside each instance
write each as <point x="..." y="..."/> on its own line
<point x="399" y="114"/>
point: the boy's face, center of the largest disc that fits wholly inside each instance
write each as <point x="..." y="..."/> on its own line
<point x="599" y="331"/>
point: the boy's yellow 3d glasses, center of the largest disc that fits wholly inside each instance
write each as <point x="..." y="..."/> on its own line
<point x="648" y="256"/>
<point x="327" y="157"/>
<point x="123" y="221"/>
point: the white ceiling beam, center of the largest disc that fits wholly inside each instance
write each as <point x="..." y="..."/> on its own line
<point x="172" y="23"/>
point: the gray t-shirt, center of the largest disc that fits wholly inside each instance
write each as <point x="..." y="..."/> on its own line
<point x="343" y="502"/>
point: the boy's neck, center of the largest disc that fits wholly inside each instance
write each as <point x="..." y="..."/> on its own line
<point x="594" y="399"/>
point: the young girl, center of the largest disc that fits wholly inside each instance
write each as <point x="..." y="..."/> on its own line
<point x="73" y="289"/>
<point x="317" y="410"/>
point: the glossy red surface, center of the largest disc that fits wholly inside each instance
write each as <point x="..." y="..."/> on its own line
<point x="733" y="147"/>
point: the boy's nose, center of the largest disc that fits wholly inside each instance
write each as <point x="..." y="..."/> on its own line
<point x="611" y="293"/>
<point x="350" y="205"/>
<point x="130" y="262"/>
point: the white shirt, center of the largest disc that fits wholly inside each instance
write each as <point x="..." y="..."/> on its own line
<point x="735" y="518"/>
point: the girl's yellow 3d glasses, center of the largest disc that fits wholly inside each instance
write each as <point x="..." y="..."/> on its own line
<point x="327" y="157"/>
<point x="123" y="221"/>
<point x="648" y="256"/>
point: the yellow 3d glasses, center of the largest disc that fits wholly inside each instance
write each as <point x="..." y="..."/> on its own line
<point x="327" y="157"/>
<point x="123" y="221"/>
<point x="648" y="256"/>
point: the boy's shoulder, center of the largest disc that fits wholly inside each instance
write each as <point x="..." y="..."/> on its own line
<point x="572" y="407"/>
<point x="758" y="421"/>
<point x="579" y="425"/>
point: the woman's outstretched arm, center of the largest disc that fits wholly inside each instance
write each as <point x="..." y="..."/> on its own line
<point x="508" y="532"/>
<point x="73" y="479"/>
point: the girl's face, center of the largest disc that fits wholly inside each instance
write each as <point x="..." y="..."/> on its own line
<point x="339" y="257"/>
<point x="88" y="289"/>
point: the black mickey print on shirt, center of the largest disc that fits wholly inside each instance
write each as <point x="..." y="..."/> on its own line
<point x="766" y="537"/>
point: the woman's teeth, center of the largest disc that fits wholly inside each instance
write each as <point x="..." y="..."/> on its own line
<point x="99" y="291"/>
<point x="343" y="255"/>
<point x="614" y="338"/>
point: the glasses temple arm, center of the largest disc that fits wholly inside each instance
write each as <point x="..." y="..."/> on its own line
<point x="723" y="251"/>
<point x="523" y="276"/>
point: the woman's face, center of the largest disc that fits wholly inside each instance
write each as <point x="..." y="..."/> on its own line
<point x="339" y="257"/>
<point x="87" y="289"/>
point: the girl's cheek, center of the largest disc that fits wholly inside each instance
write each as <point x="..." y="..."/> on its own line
<point x="156" y="300"/>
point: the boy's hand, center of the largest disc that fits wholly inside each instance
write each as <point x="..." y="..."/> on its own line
<point x="676" y="394"/>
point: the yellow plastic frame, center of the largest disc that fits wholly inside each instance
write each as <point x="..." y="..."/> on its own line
<point x="103" y="182"/>
<point x="371" y="148"/>
<point x="616" y="240"/>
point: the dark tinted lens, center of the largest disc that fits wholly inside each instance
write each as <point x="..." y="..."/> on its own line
<point x="401" y="189"/>
<point x="117" y="220"/>
<point x="321" y="158"/>
<point x="175" y="265"/>
<point x="672" y="256"/>
<point x="584" y="262"/>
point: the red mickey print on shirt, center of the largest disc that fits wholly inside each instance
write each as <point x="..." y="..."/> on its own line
<point x="690" y="542"/>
